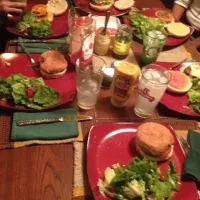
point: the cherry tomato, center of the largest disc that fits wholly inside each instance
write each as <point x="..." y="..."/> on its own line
<point x="29" y="92"/>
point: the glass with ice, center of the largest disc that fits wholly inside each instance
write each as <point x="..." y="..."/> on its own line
<point x="89" y="75"/>
<point x="152" y="85"/>
<point x="153" y="43"/>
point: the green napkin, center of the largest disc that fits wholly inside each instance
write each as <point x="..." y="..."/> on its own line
<point x="51" y="131"/>
<point x="41" y="47"/>
<point x="191" y="167"/>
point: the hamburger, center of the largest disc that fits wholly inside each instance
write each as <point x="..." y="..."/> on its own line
<point x="52" y="64"/>
<point x="154" y="141"/>
<point x="40" y="11"/>
<point x="101" y="5"/>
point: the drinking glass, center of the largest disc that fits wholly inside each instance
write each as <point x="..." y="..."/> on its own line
<point x="81" y="35"/>
<point x="89" y="75"/>
<point x="153" y="43"/>
<point x="152" y="85"/>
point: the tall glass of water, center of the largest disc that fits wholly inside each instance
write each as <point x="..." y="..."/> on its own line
<point x="89" y="75"/>
<point x="152" y="85"/>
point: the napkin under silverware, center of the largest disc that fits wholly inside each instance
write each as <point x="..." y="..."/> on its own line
<point x="52" y="131"/>
<point x="40" y="47"/>
<point x="191" y="168"/>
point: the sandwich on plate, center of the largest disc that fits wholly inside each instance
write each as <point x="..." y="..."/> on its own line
<point x="101" y="5"/>
<point x="154" y="141"/>
<point x="52" y="64"/>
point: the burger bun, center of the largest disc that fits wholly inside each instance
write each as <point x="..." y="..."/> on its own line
<point x="154" y="141"/>
<point x="178" y="29"/>
<point x="57" y="7"/>
<point x="52" y="64"/>
<point x="124" y="4"/>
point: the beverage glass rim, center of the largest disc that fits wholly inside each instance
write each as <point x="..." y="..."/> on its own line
<point x="93" y="21"/>
<point x="153" y="37"/>
<point x="164" y="70"/>
<point x="94" y="72"/>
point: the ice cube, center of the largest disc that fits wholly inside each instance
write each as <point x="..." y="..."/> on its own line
<point x="152" y="33"/>
<point x="158" y="33"/>
<point x="155" y="75"/>
<point x="93" y="87"/>
<point x="148" y="75"/>
<point x="163" y="80"/>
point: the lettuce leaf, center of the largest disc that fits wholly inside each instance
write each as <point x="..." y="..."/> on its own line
<point x="194" y="96"/>
<point x="142" y="24"/>
<point x="15" y="87"/>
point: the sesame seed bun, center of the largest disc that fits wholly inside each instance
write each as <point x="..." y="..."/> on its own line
<point x="154" y="141"/>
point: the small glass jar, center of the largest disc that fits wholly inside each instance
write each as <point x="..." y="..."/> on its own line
<point x="102" y="44"/>
<point x="122" y="42"/>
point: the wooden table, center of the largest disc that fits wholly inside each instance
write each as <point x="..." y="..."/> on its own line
<point x="46" y="172"/>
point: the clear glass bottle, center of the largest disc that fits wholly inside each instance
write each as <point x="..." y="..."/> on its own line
<point x="122" y="42"/>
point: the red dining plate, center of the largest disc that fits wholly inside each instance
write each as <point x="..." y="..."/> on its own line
<point x="59" y="26"/>
<point x="84" y="5"/>
<point x="176" y="102"/>
<point x="65" y="85"/>
<point x="113" y="143"/>
<point x="171" y="41"/>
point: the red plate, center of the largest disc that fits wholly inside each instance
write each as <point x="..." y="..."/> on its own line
<point x="176" y="102"/>
<point x="114" y="143"/>
<point x="65" y="85"/>
<point x="59" y="26"/>
<point x="171" y="41"/>
<point x="84" y="5"/>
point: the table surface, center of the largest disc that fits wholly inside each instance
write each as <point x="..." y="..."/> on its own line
<point x="46" y="171"/>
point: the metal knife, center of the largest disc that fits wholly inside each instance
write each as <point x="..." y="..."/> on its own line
<point x="58" y="41"/>
<point x="53" y="120"/>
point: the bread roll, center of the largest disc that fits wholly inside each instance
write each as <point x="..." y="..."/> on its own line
<point x="124" y="4"/>
<point x="57" y="7"/>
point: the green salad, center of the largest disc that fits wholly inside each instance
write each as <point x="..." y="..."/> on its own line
<point x="194" y="95"/>
<point x="29" y="92"/>
<point x="31" y="25"/>
<point x="140" y="180"/>
<point x="142" y="24"/>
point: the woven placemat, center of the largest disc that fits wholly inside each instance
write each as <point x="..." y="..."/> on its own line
<point x="81" y="188"/>
<point x="5" y="129"/>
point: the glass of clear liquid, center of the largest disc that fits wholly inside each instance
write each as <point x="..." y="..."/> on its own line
<point x="152" y="85"/>
<point x="89" y="76"/>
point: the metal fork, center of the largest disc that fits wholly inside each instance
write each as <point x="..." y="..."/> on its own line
<point x="34" y="64"/>
<point x="185" y="145"/>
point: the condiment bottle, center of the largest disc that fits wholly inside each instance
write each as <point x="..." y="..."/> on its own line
<point x="125" y="76"/>
<point x="102" y="44"/>
<point x="102" y="40"/>
<point x="122" y="42"/>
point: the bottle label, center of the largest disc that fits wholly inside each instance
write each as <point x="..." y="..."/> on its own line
<point x="121" y="48"/>
<point x="121" y="86"/>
